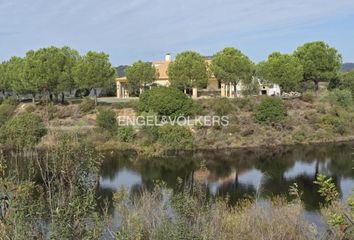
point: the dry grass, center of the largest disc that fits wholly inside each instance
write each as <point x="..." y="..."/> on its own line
<point x="163" y="215"/>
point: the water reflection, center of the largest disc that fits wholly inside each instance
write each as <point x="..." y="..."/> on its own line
<point x="239" y="173"/>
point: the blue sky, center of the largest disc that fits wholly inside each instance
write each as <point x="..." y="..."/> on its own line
<point x="147" y="29"/>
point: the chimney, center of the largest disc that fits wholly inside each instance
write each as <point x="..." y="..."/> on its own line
<point x="168" y="57"/>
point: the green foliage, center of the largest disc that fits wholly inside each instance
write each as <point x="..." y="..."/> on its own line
<point x="94" y="71"/>
<point x="23" y="131"/>
<point x="10" y="100"/>
<point x="14" y="76"/>
<point x="320" y="61"/>
<point x="175" y="137"/>
<point x="327" y="188"/>
<point x="166" y="102"/>
<point x="347" y="82"/>
<point x="341" y="98"/>
<point x="246" y="104"/>
<point x="188" y="70"/>
<point x="222" y="106"/>
<point x="333" y="123"/>
<point x="6" y="111"/>
<point x="283" y="69"/>
<point x="250" y="88"/>
<point x="271" y="109"/>
<point x="308" y="96"/>
<point x="125" y="133"/>
<point x="107" y="119"/>
<point x="87" y="105"/>
<point x="139" y="75"/>
<point x="49" y="70"/>
<point x="232" y="66"/>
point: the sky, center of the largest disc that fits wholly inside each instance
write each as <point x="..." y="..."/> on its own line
<point x="148" y="29"/>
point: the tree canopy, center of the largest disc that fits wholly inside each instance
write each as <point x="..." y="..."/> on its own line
<point x="188" y="70"/>
<point x="232" y="66"/>
<point x="140" y="74"/>
<point x="93" y="71"/>
<point x="320" y="61"/>
<point x="283" y="69"/>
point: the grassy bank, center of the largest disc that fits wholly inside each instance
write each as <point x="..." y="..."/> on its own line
<point x="253" y="122"/>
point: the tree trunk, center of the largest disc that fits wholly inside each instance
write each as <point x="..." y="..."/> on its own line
<point x="235" y="90"/>
<point x="62" y="98"/>
<point x="95" y="93"/>
<point x="316" y="85"/>
<point x="33" y="98"/>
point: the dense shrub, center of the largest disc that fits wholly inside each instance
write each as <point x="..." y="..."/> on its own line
<point x="166" y="102"/>
<point x="341" y="98"/>
<point x="308" y="96"/>
<point x="23" y="131"/>
<point x="271" y="109"/>
<point x="87" y="105"/>
<point x="125" y="133"/>
<point x="107" y="119"/>
<point x="175" y="137"/>
<point x="222" y="106"/>
<point x="347" y="82"/>
<point x="6" y="111"/>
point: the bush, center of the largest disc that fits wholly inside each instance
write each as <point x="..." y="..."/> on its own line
<point x="347" y="82"/>
<point x="23" y="131"/>
<point x="222" y="106"/>
<point x="87" y="105"/>
<point x="271" y="109"/>
<point x="246" y="103"/>
<point x="341" y="98"/>
<point x="175" y="137"/>
<point x="308" y="96"/>
<point x="166" y="101"/>
<point x="107" y="120"/>
<point x="10" y="100"/>
<point x="6" y="111"/>
<point x="125" y="133"/>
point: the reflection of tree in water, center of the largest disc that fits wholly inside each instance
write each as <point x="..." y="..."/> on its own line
<point x="236" y="191"/>
<point x="334" y="160"/>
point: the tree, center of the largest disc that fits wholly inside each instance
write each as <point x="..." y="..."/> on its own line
<point x="188" y="71"/>
<point x="4" y="82"/>
<point x="232" y="66"/>
<point x="140" y="74"/>
<point x="50" y="69"/>
<point x="283" y="69"/>
<point x="93" y="71"/>
<point x="15" y="77"/>
<point x="66" y="80"/>
<point x="320" y="61"/>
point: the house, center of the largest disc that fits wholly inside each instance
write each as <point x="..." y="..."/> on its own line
<point x="213" y="86"/>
